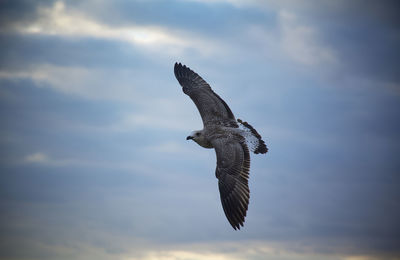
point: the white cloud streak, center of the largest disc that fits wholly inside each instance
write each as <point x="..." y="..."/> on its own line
<point x="257" y="250"/>
<point x="60" y="21"/>
<point x="40" y="158"/>
<point x="250" y="249"/>
<point x="37" y="158"/>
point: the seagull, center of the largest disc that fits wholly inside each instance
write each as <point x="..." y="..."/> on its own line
<point x="232" y="140"/>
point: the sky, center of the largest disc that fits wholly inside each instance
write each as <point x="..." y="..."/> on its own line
<point x="94" y="163"/>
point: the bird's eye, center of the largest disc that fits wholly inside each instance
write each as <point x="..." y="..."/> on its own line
<point x="197" y="134"/>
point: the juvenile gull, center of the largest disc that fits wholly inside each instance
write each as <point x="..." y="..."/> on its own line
<point x="231" y="139"/>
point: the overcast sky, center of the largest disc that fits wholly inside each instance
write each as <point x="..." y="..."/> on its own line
<point x="94" y="161"/>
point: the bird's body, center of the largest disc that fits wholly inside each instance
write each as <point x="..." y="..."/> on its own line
<point x="232" y="140"/>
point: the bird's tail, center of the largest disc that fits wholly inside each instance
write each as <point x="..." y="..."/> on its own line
<point x="253" y="138"/>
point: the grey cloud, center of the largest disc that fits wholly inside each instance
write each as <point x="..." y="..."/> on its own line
<point x="216" y="20"/>
<point x="363" y="33"/>
<point x="21" y="51"/>
<point x="20" y="11"/>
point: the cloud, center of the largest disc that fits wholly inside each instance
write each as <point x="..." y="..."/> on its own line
<point x="76" y="243"/>
<point x="128" y="248"/>
<point x="43" y="159"/>
<point x="177" y="254"/>
<point x="300" y="42"/>
<point x="218" y="250"/>
<point x="147" y="107"/>
<point x="60" y="21"/>
<point x="281" y="33"/>
<point x="371" y="257"/>
<point x="129" y="85"/>
<point x="80" y="81"/>
<point x="250" y="249"/>
<point x="164" y="114"/>
<point x="37" y="158"/>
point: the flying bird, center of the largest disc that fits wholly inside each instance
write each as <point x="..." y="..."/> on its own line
<point x="232" y="140"/>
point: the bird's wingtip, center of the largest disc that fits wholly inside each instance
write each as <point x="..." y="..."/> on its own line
<point x="178" y="64"/>
<point x="178" y="67"/>
<point x="181" y="70"/>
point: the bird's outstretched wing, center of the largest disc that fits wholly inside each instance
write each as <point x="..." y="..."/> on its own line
<point x="213" y="110"/>
<point x="233" y="165"/>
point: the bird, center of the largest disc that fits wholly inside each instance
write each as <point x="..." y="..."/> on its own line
<point x="232" y="140"/>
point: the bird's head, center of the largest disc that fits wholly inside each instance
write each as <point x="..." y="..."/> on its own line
<point x="195" y="136"/>
<point x="200" y="138"/>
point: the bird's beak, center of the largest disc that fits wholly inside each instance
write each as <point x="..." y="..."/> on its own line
<point x="189" y="137"/>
